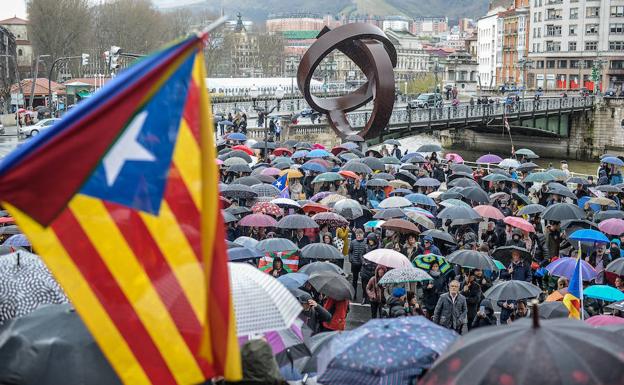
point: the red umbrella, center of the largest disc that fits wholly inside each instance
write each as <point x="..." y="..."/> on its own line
<point x="318" y="146"/>
<point x="338" y="149"/>
<point x="258" y="220"/>
<point x="7" y="220"/>
<point x="225" y="203"/>
<point x="520" y="223"/>
<point x="244" y="148"/>
<point x="348" y="174"/>
<point x="281" y="151"/>
<point x="314" y="208"/>
<point x="487" y="211"/>
<point x="604" y="320"/>
<point x="267" y="208"/>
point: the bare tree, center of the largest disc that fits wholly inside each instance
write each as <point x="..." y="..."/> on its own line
<point x="271" y="54"/>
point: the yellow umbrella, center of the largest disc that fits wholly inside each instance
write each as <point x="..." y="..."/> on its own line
<point x="331" y="199"/>
<point x="399" y="184"/>
<point x="292" y="173"/>
<point x="601" y="201"/>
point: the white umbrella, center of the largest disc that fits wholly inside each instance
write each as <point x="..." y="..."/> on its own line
<point x="285" y="202"/>
<point x="509" y="163"/>
<point x="261" y="303"/>
<point x="395" y="202"/>
<point x="404" y="275"/>
<point x="349" y="208"/>
<point x="388" y="258"/>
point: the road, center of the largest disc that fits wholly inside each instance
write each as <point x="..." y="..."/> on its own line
<point x="9" y="140"/>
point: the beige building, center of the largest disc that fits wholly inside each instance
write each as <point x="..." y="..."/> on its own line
<point x="19" y="28"/>
<point x="297" y="22"/>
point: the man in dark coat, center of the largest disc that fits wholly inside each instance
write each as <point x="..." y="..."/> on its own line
<point x="451" y="310"/>
<point x="313" y="314"/>
<point x="485" y="316"/>
<point x="518" y="269"/>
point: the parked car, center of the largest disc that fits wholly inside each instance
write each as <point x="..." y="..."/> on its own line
<point x="610" y="93"/>
<point x="426" y="101"/>
<point x="36" y="128"/>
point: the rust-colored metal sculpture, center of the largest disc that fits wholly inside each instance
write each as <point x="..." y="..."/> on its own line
<point x="374" y="54"/>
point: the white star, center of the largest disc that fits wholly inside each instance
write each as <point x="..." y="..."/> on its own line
<point x="279" y="184"/>
<point x="126" y="148"/>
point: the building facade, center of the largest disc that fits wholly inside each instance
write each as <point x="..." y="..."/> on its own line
<point x="19" y="28"/>
<point x="571" y="40"/>
<point x="487" y="39"/>
<point x="295" y="22"/>
<point x="512" y="43"/>
<point x="429" y="25"/>
<point x="460" y="69"/>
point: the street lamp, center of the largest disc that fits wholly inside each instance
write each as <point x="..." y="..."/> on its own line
<point x="36" y="75"/>
<point x="279" y="94"/>
<point x="254" y="92"/>
<point x="524" y="64"/>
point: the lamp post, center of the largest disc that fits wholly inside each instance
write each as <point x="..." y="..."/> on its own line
<point x="254" y="92"/>
<point x="597" y="73"/>
<point x="34" y="80"/>
<point x="279" y="95"/>
<point x="523" y="64"/>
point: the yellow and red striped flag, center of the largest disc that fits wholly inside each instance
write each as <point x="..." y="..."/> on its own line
<point x="120" y="200"/>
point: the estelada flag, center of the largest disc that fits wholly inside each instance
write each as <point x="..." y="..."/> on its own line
<point x="120" y="199"/>
<point x="573" y="299"/>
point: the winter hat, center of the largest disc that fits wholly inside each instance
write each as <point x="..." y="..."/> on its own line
<point x="398" y="292"/>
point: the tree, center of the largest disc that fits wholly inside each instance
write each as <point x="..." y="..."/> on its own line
<point x="424" y="83"/>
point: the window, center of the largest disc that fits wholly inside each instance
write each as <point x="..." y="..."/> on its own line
<point x="553" y="30"/>
<point x="591" y="45"/>
<point x="20" y="52"/>
<point x="616" y="28"/>
<point x="550" y="63"/>
<point x="592" y="12"/>
<point x="572" y="30"/>
<point x="572" y="46"/>
<point x="591" y="29"/>
<point x="552" y="46"/>
<point x="553" y="14"/>
<point x="616" y="64"/>
<point x="574" y="63"/>
<point x="616" y="45"/>
<point x="563" y="64"/>
<point x="617" y="11"/>
<point x="573" y="13"/>
<point x="539" y="64"/>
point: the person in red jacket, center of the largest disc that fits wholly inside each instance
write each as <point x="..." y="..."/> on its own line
<point x="338" y="310"/>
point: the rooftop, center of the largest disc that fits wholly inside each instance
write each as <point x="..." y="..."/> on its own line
<point x="41" y="86"/>
<point x="300" y="35"/>
<point x="14" y="21"/>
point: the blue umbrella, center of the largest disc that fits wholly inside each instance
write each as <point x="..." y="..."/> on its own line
<point x="612" y="160"/>
<point x="589" y="235"/>
<point x="604" y="292"/>
<point x="17" y="240"/>
<point x="237" y="136"/>
<point x="383" y="351"/>
<point x="582" y="200"/>
<point x="293" y="280"/>
<point x="318" y="153"/>
<point x="350" y="145"/>
<point x="421" y="199"/>
<point x="236" y="254"/>
<point x="565" y="267"/>
<point x="411" y="155"/>
<point x="400" y="191"/>
<point x="226" y="123"/>
<point x="299" y="154"/>
<point x="312" y="166"/>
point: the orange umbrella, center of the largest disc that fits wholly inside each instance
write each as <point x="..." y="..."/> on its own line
<point x="314" y="208"/>
<point x="348" y="174"/>
<point x="244" y="148"/>
<point x="556" y="295"/>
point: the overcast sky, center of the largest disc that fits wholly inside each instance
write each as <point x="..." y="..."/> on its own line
<point x="10" y="8"/>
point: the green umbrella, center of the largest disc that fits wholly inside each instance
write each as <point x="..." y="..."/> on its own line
<point x="496" y="178"/>
<point x="522" y="198"/>
<point x="557" y="174"/>
<point x="327" y="177"/>
<point x="424" y="261"/>
<point x="542" y="177"/>
<point x="526" y="152"/>
<point x="499" y="264"/>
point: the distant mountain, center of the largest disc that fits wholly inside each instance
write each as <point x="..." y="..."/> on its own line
<point x="260" y="9"/>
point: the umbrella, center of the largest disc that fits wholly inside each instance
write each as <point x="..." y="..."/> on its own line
<point x="509" y="163"/>
<point x="454" y="202"/>
<point x="238" y="191"/>
<point x="237" y="254"/>
<point x="247" y="181"/>
<point x="303" y="145"/>
<point x="608" y="188"/>
<point x="25" y="284"/>
<point x="281" y="151"/>
<point x="601" y="215"/>
<point x="248" y="242"/>
<point x="297" y="221"/>
<point x="234" y="161"/>
<point x="541" y="177"/>
<point x="612" y="160"/>
<point x="489" y="159"/>
<point x="237" y="154"/>
<point x="313" y="166"/>
<point x="327" y="177"/>
<point x="487" y="211"/>
<point x="347" y="174"/>
<point x="299" y="154"/>
<point x="330" y="219"/>
<point x="228" y="218"/>
<point x="404" y="275"/>
<point x="354" y="138"/>
<point x="562" y="211"/>
<point x="420" y="219"/>
<point x="612" y="226"/>
<point x="318" y="153"/>
<point x="244" y="148"/>
<point x="292" y="173"/>
<point x="238" y="210"/>
<point x="512" y="291"/>
<point x="601" y="201"/>
<point x="10" y="229"/>
<point x="316" y="344"/>
<point x="293" y="280"/>
<point x="286" y="203"/>
<point x="349" y="209"/>
<point x="531" y="209"/>
<point x="321" y="268"/>
<point x="390" y="160"/>
<point x="265" y="190"/>
<point x="403" y="349"/>
<point x="604" y="320"/>
<point x="388" y="258"/>
<point x="384" y="175"/>
<point x="564" y="267"/>
<point x="520" y="223"/>
<point x="563" y="351"/>
<point x="321" y="251"/>
<point x="420" y="199"/>
<point x="578" y="180"/>
<point x="17" y="240"/>
<point x="459" y="212"/>
<point x="330" y="199"/>
<point x="559" y="175"/>
<point x="389" y="214"/>
<point x="425" y="262"/>
<point x="472" y="259"/>
<point x="589" y="235"/>
<point x="604" y="292"/>
<point x="427" y="182"/>
<point x="270" y="171"/>
<point x="261" y="303"/>
<point x="503" y="254"/>
<point x="452" y="157"/>
<point x="616" y="266"/>
<point x="332" y="285"/>
<point x="413" y="157"/>
<point x="429" y="148"/>
<point x="401" y="226"/>
<point x="373" y="163"/>
<point x="348" y="156"/>
<point x="462" y="182"/>
<point x="521" y="198"/>
<point x="549" y="310"/>
<point x="400" y="184"/>
<point x="377" y="183"/>
<point x="525" y="151"/>
<point x="392" y="142"/>
<point x="528" y="166"/>
<point x="50" y="346"/>
<point x="439" y="234"/>
<point x="358" y="167"/>
<point x="313" y="207"/>
<point x="394" y="202"/>
<point x="276" y="245"/>
<point x="261" y="145"/>
<point x="237" y="136"/>
<point x="476" y="194"/>
<point x="258" y="220"/>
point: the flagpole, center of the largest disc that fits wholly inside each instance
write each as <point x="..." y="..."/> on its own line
<point x="581" y="281"/>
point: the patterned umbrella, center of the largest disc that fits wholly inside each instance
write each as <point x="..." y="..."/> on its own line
<point x="319" y="196"/>
<point x="403" y="349"/>
<point x="330" y="219"/>
<point x="25" y="284"/>
<point x="267" y="208"/>
<point x="560" y="351"/>
<point x="388" y="258"/>
<point x="394" y="202"/>
<point x="348" y="208"/>
<point x="258" y="220"/>
<point x="261" y="303"/>
<point x="425" y="261"/>
<point x="297" y="221"/>
<point x="17" y="240"/>
<point x="286" y="203"/>
<point x="404" y="275"/>
<point x="265" y="190"/>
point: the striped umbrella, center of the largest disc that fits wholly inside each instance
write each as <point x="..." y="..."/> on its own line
<point x="425" y="261"/>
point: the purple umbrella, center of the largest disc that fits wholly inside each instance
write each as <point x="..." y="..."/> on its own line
<point x="17" y="240"/>
<point x="564" y="267"/>
<point x="489" y="158"/>
<point x="321" y="195"/>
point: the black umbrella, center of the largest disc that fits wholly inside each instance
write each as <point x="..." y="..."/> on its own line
<point x="429" y="148"/>
<point x="10" y="230"/>
<point x="303" y="146"/>
<point x="282" y="165"/>
<point x="472" y="259"/>
<point x="238" y="154"/>
<point x="316" y="343"/>
<point x="238" y="210"/>
<point x="547" y="352"/>
<point x="439" y="234"/>
<point x="261" y="145"/>
<point x="608" y="188"/>
<point x="274" y="245"/>
<point x="608" y="214"/>
<point x="460" y="167"/>
<point x="377" y="183"/>
<point x="266" y="178"/>
<point x="425" y="182"/>
<point x="297" y="221"/>
<point x="373" y="163"/>
<point x="512" y="291"/>
<point x="416" y="158"/>
<point x="247" y="180"/>
<point x="357" y="166"/>
<point x="332" y="285"/>
<point x="227" y="217"/>
<point x="25" y="284"/>
<point x="238" y="191"/>
<point x="265" y="190"/>
<point x="290" y="143"/>
<point x="578" y="180"/>
<point x="321" y="251"/>
<point x="554" y="309"/>
<point x="616" y="266"/>
<point x="560" y="190"/>
<point x="528" y="166"/>
<point x="410" y="167"/>
<point x="521" y="198"/>
<point x="52" y="346"/>
<point x="224" y="151"/>
<point x="462" y="182"/>
<point x="389" y="214"/>
<point x="320" y="268"/>
<point x="531" y="209"/>
<point x="384" y="175"/>
<point x="562" y="211"/>
<point x="407" y="176"/>
<point x="452" y="193"/>
<point x="459" y="212"/>
<point x="476" y="194"/>
<point x="571" y="226"/>
<point x="503" y="254"/>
